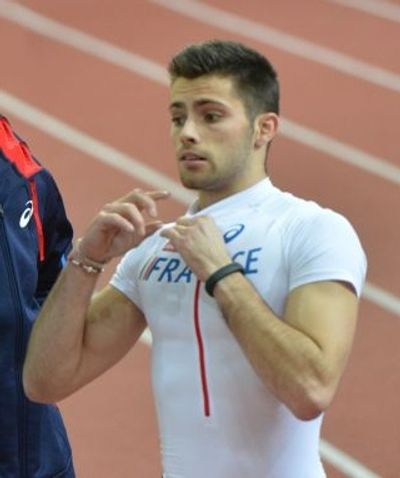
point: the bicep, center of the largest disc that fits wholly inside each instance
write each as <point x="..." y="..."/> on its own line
<point x="113" y="325"/>
<point x="326" y="312"/>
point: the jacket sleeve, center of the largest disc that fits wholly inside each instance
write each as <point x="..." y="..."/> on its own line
<point x="57" y="232"/>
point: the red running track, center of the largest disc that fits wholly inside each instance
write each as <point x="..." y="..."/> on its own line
<point x="111" y="421"/>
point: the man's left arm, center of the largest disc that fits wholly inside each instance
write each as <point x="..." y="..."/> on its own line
<point x="300" y="356"/>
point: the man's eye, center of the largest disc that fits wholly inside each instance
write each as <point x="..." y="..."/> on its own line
<point x="212" y="117"/>
<point x="178" y="120"/>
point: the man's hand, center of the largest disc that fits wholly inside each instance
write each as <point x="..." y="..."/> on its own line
<point x="200" y="243"/>
<point x="121" y="225"/>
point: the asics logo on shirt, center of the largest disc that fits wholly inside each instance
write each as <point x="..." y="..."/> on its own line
<point x="229" y="235"/>
<point x="26" y="215"/>
<point x="233" y="232"/>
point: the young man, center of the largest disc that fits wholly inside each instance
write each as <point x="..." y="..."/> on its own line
<point x="35" y="237"/>
<point x="251" y="297"/>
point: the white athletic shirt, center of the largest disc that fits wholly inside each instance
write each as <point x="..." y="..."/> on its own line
<point x="216" y="418"/>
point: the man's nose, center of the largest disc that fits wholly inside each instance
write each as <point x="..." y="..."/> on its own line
<point x="189" y="133"/>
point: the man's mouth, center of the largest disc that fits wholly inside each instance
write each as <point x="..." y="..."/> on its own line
<point x="190" y="157"/>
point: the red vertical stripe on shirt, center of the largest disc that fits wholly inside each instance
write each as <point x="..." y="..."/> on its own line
<point x="203" y="371"/>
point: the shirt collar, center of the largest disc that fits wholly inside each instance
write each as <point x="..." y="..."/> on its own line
<point x="254" y="193"/>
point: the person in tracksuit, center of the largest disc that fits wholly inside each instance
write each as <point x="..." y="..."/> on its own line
<point x="35" y="236"/>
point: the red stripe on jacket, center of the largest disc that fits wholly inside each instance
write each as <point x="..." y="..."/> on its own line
<point x="17" y="152"/>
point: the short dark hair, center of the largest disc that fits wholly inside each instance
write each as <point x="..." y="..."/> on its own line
<point x="254" y="77"/>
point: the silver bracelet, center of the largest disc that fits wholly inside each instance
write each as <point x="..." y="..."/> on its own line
<point x="88" y="265"/>
<point x="90" y="269"/>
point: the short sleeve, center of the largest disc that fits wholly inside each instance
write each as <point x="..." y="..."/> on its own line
<point x="325" y="246"/>
<point x="125" y="278"/>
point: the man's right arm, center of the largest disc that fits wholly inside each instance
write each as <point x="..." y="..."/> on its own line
<point x="77" y="336"/>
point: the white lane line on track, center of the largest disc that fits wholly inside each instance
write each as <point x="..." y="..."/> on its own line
<point x="382" y="298"/>
<point x="111" y="156"/>
<point x="128" y="164"/>
<point x="114" y="158"/>
<point x="209" y="15"/>
<point x="295" y="45"/>
<point x="344" y="462"/>
<point x="340" y="151"/>
<point x="155" y="72"/>
<point x="378" y="8"/>
<point x="88" y="145"/>
<point x="81" y="41"/>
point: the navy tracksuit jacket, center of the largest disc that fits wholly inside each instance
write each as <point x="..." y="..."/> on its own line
<point x="35" y="237"/>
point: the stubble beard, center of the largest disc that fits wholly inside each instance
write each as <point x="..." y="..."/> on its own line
<point x="215" y="180"/>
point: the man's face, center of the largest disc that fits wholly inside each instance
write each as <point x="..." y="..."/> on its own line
<point x="211" y="134"/>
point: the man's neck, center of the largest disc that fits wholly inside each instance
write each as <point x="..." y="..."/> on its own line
<point x="207" y="198"/>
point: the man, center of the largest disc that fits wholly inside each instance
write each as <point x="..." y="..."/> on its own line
<point x="35" y="237"/>
<point x="251" y="297"/>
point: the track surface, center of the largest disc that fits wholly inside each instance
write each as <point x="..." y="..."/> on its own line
<point x="111" y="422"/>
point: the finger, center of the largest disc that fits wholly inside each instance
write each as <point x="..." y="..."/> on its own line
<point x="169" y="233"/>
<point x="145" y="200"/>
<point x="191" y="221"/>
<point x="186" y="221"/>
<point x="182" y="230"/>
<point x="159" y="194"/>
<point x="129" y="212"/>
<point x="116" y="221"/>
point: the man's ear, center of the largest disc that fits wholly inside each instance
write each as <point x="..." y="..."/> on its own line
<point x="265" y="128"/>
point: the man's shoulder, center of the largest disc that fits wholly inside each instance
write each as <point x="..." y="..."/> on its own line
<point x="289" y="210"/>
<point x="302" y="220"/>
<point x="15" y="151"/>
<point x="296" y="211"/>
